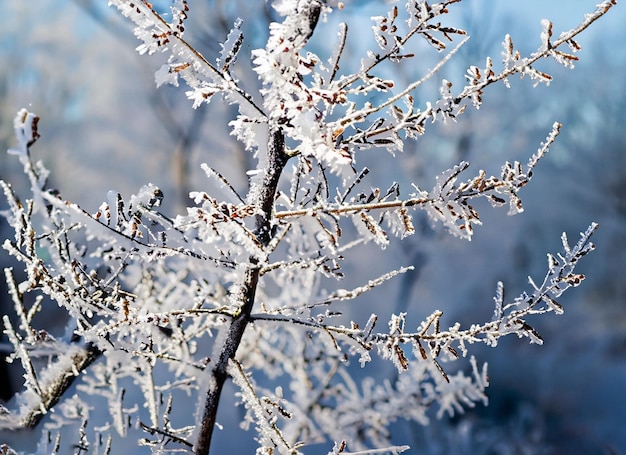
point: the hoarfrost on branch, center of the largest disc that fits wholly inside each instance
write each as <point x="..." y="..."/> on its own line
<point x="164" y="308"/>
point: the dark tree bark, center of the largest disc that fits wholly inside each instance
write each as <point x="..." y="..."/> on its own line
<point x="263" y="231"/>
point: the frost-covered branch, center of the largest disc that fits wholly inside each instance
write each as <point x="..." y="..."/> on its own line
<point x="163" y="311"/>
<point x="406" y="118"/>
<point x="515" y="64"/>
<point x="203" y="78"/>
<point x="448" y="202"/>
<point x="509" y="318"/>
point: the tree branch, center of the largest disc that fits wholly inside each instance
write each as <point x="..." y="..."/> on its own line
<point x="53" y="393"/>
<point x="247" y="290"/>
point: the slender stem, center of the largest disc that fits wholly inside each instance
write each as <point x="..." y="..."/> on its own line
<point x="411" y="87"/>
<point x="353" y="208"/>
<point x="601" y="10"/>
<point x="263" y="231"/>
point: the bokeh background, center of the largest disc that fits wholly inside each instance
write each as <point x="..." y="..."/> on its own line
<point x="104" y="126"/>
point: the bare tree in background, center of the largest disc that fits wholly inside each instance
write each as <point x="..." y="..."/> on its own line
<point x="248" y="286"/>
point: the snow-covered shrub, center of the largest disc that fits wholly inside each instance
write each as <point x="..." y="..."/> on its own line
<point x="248" y="287"/>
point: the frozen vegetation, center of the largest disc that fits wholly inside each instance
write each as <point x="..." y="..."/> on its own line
<point x="283" y="294"/>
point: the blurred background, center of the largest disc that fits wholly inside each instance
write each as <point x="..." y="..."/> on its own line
<point x="104" y="126"/>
